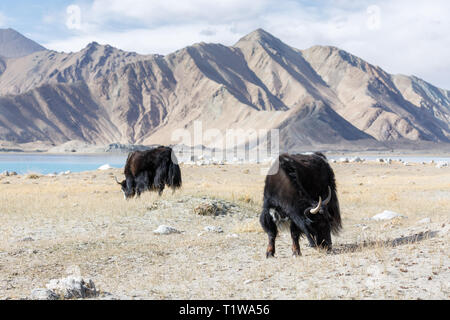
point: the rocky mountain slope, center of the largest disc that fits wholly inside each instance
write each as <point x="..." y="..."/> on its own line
<point x="321" y="96"/>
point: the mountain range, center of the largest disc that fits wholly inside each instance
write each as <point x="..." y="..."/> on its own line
<point x="320" y="97"/>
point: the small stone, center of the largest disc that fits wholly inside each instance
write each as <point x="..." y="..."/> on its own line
<point x="424" y="220"/>
<point x="105" y="167"/>
<point x="387" y="215"/>
<point x="213" y="229"/>
<point x="43" y="294"/>
<point x="232" y="235"/>
<point x="165" y="230"/>
<point x="73" y="287"/>
<point x="441" y="164"/>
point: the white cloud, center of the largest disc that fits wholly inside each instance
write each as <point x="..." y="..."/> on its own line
<point x="156" y="12"/>
<point x="399" y="36"/>
<point x="162" y="40"/>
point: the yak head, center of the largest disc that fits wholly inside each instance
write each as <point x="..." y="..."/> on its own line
<point x="129" y="191"/>
<point x="319" y="220"/>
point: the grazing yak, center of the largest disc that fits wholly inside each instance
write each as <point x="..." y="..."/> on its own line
<point x="293" y="198"/>
<point x="150" y="170"/>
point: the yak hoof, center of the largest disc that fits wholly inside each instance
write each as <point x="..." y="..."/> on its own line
<point x="270" y="254"/>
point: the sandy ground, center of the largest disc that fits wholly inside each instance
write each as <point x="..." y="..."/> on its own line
<point x="51" y="226"/>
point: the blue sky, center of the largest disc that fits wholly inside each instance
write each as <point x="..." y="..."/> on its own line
<point x="409" y="37"/>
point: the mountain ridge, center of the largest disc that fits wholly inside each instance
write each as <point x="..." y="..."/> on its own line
<point x="315" y="95"/>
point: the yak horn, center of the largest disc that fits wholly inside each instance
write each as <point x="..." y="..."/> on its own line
<point x="115" y="178"/>
<point x="325" y="202"/>
<point x="316" y="209"/>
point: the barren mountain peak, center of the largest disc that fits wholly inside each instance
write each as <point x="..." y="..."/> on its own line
<point x="14" y="45"/>
<point x="259" y="35"/>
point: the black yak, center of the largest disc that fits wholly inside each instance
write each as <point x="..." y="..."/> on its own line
<point x="294" y="196"/>
<point x="150" y="170"/>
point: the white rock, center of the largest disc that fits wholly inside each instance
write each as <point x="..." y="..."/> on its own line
<point x="424" y="220"/>
<point x="44" y="294"/>
<point x="165" y="230"/>
<point x="232" y="235"/>
<point x="441" y="164"/>
<point x="213" y="229"/>
<point x="343" y="160"/>
<point x="73" y="287"/>
<point x="105" y="167"/>
<point x="380" y="160"/>
<point x="356" y="160"/>
<point x="387" y="215"/>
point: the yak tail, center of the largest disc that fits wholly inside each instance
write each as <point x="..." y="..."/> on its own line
<point x="174" y="173"/>
<point x="335" y="213"/>
<point x="174" y="176"/>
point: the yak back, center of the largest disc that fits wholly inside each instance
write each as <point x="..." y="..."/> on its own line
<point x="311" y="173"/>
<point x="282" y="193"/>
<point x="148" y="160"/>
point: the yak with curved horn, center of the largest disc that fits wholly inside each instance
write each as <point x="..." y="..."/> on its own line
<point x="150" y="170"/>
<point x="293" y="193"/>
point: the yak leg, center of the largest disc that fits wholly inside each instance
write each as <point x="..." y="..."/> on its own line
<point x="270" y="228"/>
<point x="295" y="234"/>
<point x="312" y="242"/>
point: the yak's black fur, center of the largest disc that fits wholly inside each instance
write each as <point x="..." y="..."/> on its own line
<point x="292" y="192"/>
<point x="151" y="170"/>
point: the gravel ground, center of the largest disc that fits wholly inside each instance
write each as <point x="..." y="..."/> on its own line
<point x="79" y="223"/>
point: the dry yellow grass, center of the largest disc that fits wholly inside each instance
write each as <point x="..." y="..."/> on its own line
<point x="53" y="223"/>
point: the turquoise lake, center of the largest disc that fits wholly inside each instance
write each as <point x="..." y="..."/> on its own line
<point x="45" y="163"/>
<point x="53" y="163"/>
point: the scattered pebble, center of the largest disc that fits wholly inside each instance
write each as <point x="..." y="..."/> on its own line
<point x="442" y="164"/>
<point x="105" y="167"/>
<point x="424" y="220"/>
<point x="387" y="215"/>
<point x="213" y="229"/>
<point x="43" y="294"/>
<point x="165" y="230"/>
<point x="72" y="287"/>
<point x="232" y="235"/>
